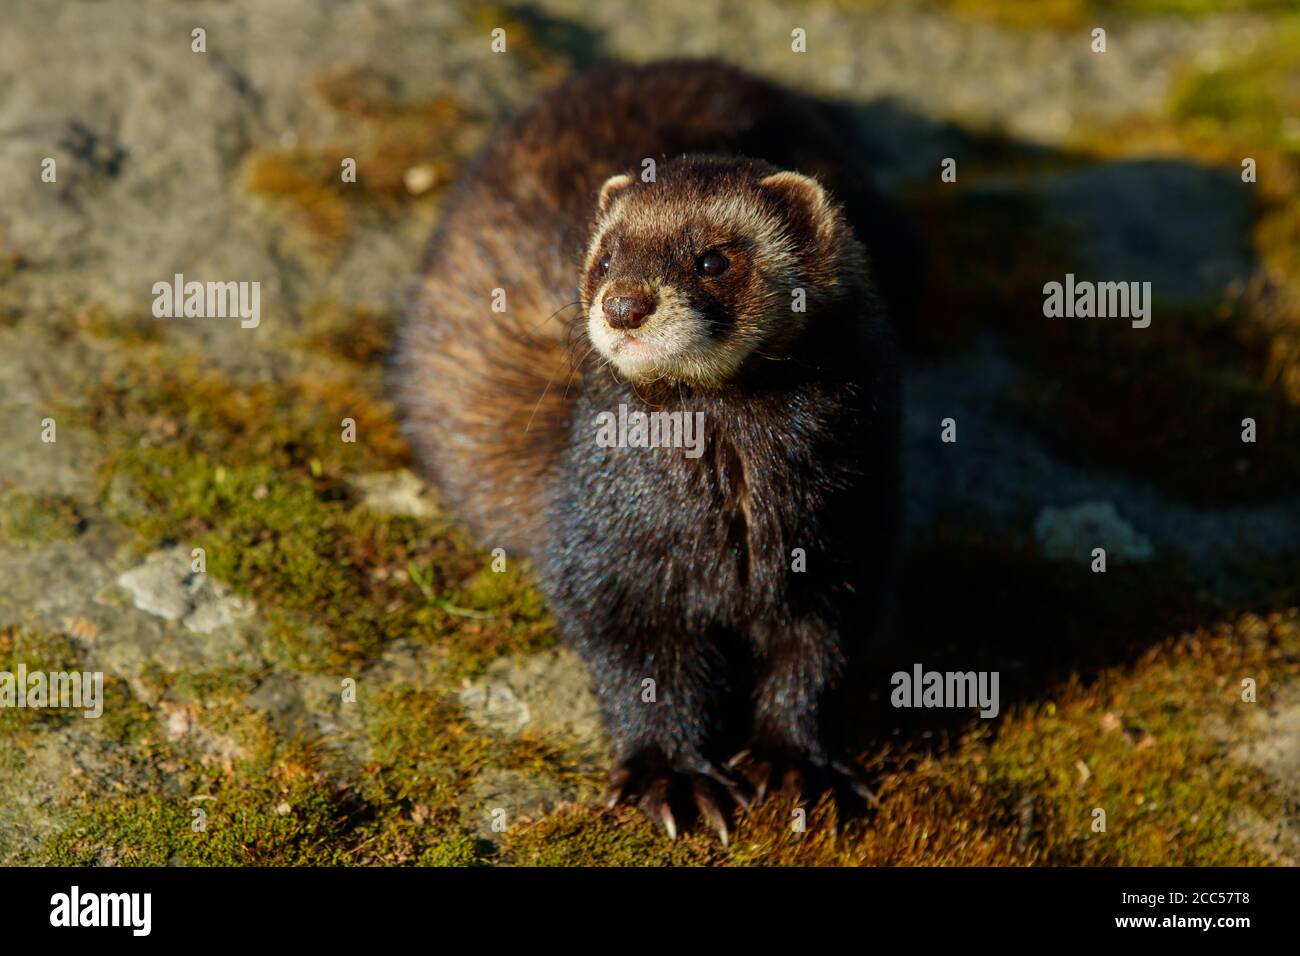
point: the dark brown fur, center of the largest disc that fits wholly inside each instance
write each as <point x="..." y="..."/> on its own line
<point x="661" y="567"/>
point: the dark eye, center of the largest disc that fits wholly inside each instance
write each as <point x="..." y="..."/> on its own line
<point x="712" y="264"/>
<point x="602" y="265"/>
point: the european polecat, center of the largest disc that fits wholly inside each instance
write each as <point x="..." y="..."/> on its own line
<point x="675" y="238"/>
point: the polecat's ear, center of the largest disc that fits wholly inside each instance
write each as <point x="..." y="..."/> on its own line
<point x="611" y="188"/>
<point x="803" y="200"/>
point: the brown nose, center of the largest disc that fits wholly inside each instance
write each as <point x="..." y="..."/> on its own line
<point x="627" y="311"/>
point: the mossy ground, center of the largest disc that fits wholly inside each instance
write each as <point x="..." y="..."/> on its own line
<point x="1112" y="680"/>
<point x="1070" y="14"/>
<point x="269" y="504"/>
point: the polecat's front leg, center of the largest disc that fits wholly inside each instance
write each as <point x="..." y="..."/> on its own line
<point x="795" y="746"/>
<point x="662" y="694"/>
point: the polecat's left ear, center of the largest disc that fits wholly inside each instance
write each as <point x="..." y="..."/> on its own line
<point x="611" y="188"/>
<point x="803" y="200"/>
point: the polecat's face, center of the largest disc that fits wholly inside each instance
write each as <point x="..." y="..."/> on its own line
<point x="685" y="278"/>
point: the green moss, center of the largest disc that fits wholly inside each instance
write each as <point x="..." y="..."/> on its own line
<point x="300" y="819"/>
<point x="11" y="262"/>
<point x="283" y="541"/>
<point x="504" y="592"/>
<point x="1054" y="14"/>
<point x="256" y="475"/>
<point x="287" y="816"/>
<point x="1164" y="781"/>
<point x="583" y="836"/>
<point x="425" y="758"/>
<point x="129" y="328"/>
<point x="218" y="702"/>
<point x="123" y="831"/>
<point x="37" y="651"/>
<point x="462" y="849"/>
<point x="1249" y="97"/>
<point x="37" y="519"/>
<point x="292" y="424"/>
<point x="273" y="801"/>
<point x="1076" y="14"/>
<point x="423" y="751"/>
<point x="127" y="721"/>
<point x="498" y="614"/>
<point x="1194" y="7"/>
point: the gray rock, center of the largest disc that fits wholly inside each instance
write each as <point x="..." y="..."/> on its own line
<point x="398" y="492"/>
<point x="1269" y="739"/>
<point x="546" y="693"/>
<point x="999" y="476"/>
<point x="506" y="797"/>
<point x="166" y="586"/>
<point x="1070" y="534"/>
<point x="493" y="704"/>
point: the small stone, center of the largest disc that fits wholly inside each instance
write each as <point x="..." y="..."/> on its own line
<point x="1071" y="534"/>
<point x="398" y="492"/>
<point x="165" y="586"/>
<point x="157" y="587"/>
<point x="492" y="704"/>
<point x="420" y="179"/>
<point x="80" y="629"/>
<point x="224" y="611"/>
<point x="548" y="693"/>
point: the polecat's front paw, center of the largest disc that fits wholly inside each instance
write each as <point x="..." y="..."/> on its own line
<point x="669" y="791"/>
<point x="802" y="776"/>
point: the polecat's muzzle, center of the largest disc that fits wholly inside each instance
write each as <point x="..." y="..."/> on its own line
<point x="627" y="311"/>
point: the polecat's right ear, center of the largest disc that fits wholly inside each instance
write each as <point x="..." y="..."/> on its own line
<point x="804" y="201"/>
<point x="611" y="188"/>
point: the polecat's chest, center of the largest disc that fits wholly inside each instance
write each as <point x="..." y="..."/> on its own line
<point x="706" y="504"/>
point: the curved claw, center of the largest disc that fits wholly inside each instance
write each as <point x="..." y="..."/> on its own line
<point x="852" y="778"/>
<point x="730" y="784"/>
<point x="655" y="804"/>
<point x="794" y="783"/>
<point x="707" y="804"/>
<point x="615" y="791"/>
<point x="802" y="777"/>
<point x="757" y="772"/>
<point x="663" y="791"/>
<point x="670" y="824"/>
